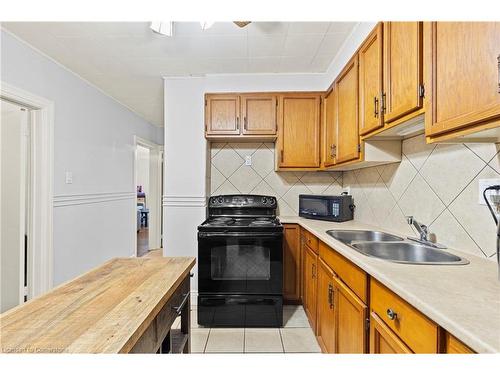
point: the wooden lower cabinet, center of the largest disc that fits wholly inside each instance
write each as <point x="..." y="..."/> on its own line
<point x="291" y="263"/>
<point x="383" y="340"/>
<point x="341" y="315"/>
<point x="336" y="294"/>
<point x="351" y="320"/>
<point x="326" y="331"/>
<point x="452" y="345"/>
<point x="310" y="285"/>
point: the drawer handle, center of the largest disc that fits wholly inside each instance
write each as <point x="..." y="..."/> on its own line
<point x="330" y="295"/>
<point x="391" y="314"/>
<point x="178" y="309"/>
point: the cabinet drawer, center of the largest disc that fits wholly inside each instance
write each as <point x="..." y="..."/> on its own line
<point x="413" y="327"/>
<point x="148" y="342"/>
<point x="310" y="240"/>
<point x="355" y="278"/>
<point x="168" y="313"/>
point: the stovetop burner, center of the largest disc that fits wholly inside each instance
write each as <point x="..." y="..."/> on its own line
<point x="237" y="223"/>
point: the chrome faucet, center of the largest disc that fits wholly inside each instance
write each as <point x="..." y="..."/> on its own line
<point x="423" y="231"/>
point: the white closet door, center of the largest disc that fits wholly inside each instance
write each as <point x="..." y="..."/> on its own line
<point x="13" y="185"/>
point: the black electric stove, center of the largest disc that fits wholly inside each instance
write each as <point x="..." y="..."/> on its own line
<point x="240" y="263"/>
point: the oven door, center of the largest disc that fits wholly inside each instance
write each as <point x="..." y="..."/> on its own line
<point x="240" y="263"/>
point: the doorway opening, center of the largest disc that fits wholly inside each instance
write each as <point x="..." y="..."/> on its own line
<point x="147" y="210"/>
<point x="15" y="205"/>
<point x="26" y="192"/>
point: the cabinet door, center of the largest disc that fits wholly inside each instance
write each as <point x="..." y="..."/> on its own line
<point x="463" y="79"/>
<point x="310" y="285"/>
<point x="259" y="114"/>
<point x="370" y="82"/>
<point x="291" y="263"/>
<point x="299" y="127"/>
<point x="329" y="130"/>
<point x="222" y="114"/>
<point x="403" y="73"/>
<point x="326" y="313"/>
<point x="455" y="346"/>
<point x="346" y="87"/>
<point x="383" y="340"/>
<point x="352" y="316"/>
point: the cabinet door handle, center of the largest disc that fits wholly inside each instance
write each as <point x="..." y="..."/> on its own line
<point x="382" y="103"/>
<point x="330" y="295"/>
<point x="498" y="67"/>
<point x="333" y="152"/>
<point x="245" y="122"/>
<point x="391" y="314"/>
<point x="237" y="123"/>
<point x="375" y="107"/>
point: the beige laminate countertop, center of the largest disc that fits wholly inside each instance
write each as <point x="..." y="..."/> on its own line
<point x="464" y="299"/>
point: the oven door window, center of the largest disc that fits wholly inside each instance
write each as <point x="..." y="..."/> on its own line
<point x="240" y="262"/>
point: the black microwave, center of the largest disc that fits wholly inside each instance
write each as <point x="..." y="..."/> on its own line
<point x="326" y="207"/>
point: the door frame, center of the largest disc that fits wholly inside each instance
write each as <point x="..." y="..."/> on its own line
<point x="40" y="259"/>
<point x="155" y="191"/>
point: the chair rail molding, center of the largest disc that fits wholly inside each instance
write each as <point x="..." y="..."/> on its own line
<point x="91" y="198"/>
<point x="184" y="201"/>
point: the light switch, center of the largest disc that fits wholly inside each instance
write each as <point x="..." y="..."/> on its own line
<point x="69" y="177"/>
<point x="483" y="184"/>
<point x="248" y="160"/>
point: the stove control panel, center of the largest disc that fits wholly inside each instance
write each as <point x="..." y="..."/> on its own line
<point x="221" y="201"/>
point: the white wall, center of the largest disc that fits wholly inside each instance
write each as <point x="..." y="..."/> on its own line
<point x="94" y="218"/>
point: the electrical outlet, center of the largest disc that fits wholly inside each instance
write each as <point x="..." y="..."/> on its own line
<point x="347" y="189"/>
<point x="483" y="184"/>
<point x="69" y="177"/>
<point x="248" y="160"/>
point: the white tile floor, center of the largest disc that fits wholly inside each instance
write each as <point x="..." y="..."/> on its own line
<point x="295" y="337"/>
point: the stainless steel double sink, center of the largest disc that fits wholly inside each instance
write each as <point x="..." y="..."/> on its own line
<point x="394" y="248"/>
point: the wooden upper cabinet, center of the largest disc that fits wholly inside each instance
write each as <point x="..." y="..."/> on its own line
<point x="291" y="263"/>
<point x="298" y="143"/>
<point x="326" y="313"/>
<point x="329" y="130"/>
<point x="352" y="315"/>
<point x="383" y="340"/>
<point x="259" y="113"/>
<point x="310" y="285"/>
<point x="346" y="119"/>
<point x="222" y="114"/>
<point x="463" y="76"/>
<point x="403" y="69"/>
<point x="370" y="82"/>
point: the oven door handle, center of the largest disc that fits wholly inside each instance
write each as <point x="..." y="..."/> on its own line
<point x="239" y="234"/>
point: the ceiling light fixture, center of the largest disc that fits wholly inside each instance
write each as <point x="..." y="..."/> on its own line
<point x="163" y="28"/>
<point x="206" y="25"/>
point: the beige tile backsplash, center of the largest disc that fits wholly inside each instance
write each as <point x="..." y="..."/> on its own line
<point x="437" y="184"/>
<point x="230" y="175"/>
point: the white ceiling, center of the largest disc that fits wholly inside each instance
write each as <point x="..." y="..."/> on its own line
<point x="127" y="60"/>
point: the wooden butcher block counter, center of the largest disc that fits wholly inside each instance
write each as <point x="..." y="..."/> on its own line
<point x="125" y="305"/>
